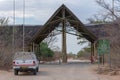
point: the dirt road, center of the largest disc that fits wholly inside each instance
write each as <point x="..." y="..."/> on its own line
<point x="70" y="71"/>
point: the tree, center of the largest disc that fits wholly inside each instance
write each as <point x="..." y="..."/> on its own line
<point x="4" y="21"/>
<point x="51" y="40"/>
<point x="98" y="19"/>
<point x="71" y="55"/>
<point x="81" y="39"/>
<point x="111" y="11"/>
<point x="80" y="53"/>
<point x="85" y="52"/>
<point x="5" y="44"/>
<point x="45" y="50"/>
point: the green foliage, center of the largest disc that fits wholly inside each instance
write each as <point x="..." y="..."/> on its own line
<point x="45" y="50"/>
<point x="81" y="42"/>
<point x="71" y="55"/>
<point x="87" y="49"/>
<point x="80" y="53"/>
<point x="97" y="20"/>
<point x="84" y="52"/>
<point x="81" y="39"/>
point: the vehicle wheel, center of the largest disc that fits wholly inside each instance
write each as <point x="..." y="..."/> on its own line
<point x="15" y="72"/>
<point x="37" y="69"/>
<point x="34" y="72"/>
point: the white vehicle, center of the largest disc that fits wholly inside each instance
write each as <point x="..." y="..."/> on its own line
<point x="25" y="61"/>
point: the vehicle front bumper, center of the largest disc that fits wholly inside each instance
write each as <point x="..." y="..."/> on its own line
<point x="27" y="68"/>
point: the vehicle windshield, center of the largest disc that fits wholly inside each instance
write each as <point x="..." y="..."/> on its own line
<point x="24" y="56"/>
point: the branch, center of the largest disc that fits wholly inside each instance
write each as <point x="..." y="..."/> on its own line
<point x="107" y="7"/>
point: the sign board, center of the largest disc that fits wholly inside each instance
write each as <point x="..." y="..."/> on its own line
<point x="103" y="46"/>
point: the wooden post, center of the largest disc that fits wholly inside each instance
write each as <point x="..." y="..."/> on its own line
<point x="29" y="48"/>
<point x="95" y="47"/>
<point x="95" y="51"/>
<point x="39" y="53"/>
<point x="64" y="52"/>
<point x="91" y="53"/>
<point x="103" y="60"/>
<point x="33" y="47"/>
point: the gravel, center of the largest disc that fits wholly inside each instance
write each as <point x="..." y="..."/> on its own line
<point x="71" y="71"/>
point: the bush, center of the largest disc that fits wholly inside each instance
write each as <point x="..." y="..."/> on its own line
<point x="84" y="53"/>
<point x="45" y="50"/>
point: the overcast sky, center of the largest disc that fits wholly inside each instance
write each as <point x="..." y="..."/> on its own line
<point x="39" y="11"/>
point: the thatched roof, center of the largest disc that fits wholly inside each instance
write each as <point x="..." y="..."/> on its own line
<point x="58" y="18"/>
<point x="102" y="31"/>
<point x="6" y="32"/>
<point x="99" y="30"/>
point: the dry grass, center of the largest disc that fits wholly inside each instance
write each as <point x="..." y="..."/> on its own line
<point x="106" y="70"/>
<point x="6" y="46"/>
<point x="111" y="32"/>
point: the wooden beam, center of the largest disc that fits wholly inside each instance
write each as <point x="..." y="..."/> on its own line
<point x="55" y="21"/>
<point x="73" y="21"/>
<point x="92" y="53"/>
<point x="33" y="47"/>
<point x="64" y="51"/>
<point x="95" y="51"/>
<point x="69" y="16"/>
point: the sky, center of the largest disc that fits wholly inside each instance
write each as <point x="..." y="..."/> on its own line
<point x="37" y="12"/>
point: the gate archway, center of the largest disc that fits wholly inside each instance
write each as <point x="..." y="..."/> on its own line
<point x="62" y="16"/>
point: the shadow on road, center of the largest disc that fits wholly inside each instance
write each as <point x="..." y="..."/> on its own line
<point x="43" y="73"/>
<point x="56" y="65"/>
<point x="40" y="73"/>
<point x="68" y="63"/>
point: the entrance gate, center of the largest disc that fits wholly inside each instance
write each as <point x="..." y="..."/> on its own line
<point x="64" y="15"/>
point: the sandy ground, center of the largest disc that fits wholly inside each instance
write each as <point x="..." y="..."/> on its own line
<point x="105" y="75"/>
<point x="75" y="70"/>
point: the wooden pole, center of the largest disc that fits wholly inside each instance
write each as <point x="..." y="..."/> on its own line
<point x="39" y="53"/>
<point x="13" y="41"/>
<point x="64" y="52"/>
<point x="91" y="53"/>
<point x="33" y="47"/>
<point x="23" y="25"/>
<point x="113" y="9"/>
<point x="103" y="60"/>
<point x="95" y="49"/>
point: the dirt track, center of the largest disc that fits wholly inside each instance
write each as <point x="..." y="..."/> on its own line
<point x="70" y="71"/>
